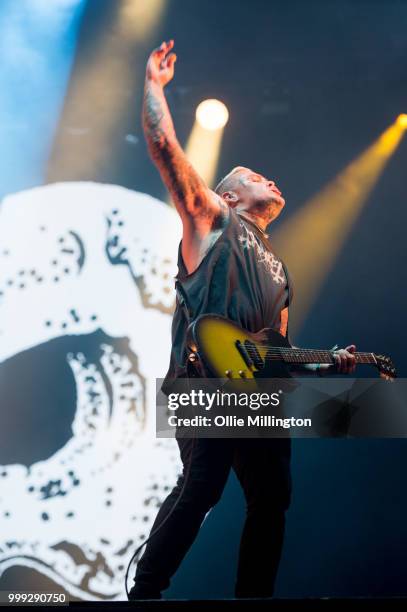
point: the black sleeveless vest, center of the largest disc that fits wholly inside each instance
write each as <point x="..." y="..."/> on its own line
<point x="239" y="277"/>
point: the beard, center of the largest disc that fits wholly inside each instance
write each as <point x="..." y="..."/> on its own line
<point x="270" y="208"/>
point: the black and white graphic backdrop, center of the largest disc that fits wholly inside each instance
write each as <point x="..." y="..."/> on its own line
<point x="86" y="296"/>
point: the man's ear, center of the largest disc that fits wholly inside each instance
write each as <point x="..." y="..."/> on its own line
<point x="230" y="198"/>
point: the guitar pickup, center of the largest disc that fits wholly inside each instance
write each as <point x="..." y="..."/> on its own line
<point x="254" y="354"/>
<point x="250" y="355"/>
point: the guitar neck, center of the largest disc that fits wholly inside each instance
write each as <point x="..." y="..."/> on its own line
<point x="301" y="356"/>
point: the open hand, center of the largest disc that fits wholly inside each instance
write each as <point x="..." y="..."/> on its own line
<point x="345" y="360"/>
<point x="160" y="64"/>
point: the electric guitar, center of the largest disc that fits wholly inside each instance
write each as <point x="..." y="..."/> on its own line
<point x="219" y="348"/>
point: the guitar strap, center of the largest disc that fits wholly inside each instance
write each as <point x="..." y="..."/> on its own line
<point x="192" y="371"/>
<point x="182" y="301"/>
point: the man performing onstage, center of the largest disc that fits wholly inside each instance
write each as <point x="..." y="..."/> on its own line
<point x="226" y="266"/>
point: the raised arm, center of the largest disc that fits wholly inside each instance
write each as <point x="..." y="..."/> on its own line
<point x="194" y="201"/>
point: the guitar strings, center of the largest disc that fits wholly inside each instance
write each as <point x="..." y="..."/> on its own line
<point x="300" y="350"/>
<point x="279" y="350"/>
<point x="316" y="354"/>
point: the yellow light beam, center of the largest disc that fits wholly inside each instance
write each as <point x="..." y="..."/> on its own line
<point x="101" y="91"/>
<point x="138" y="19"/>
<point x="205" y="140"/>
<point x="310" y="241"/>
<point x="204" y="143"/>
<point x="402" y="120"/>
<point x="212" y="114"/>
<point x="203" y="150"/>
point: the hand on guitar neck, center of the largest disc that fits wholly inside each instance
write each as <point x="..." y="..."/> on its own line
<point x="345" y="363"/>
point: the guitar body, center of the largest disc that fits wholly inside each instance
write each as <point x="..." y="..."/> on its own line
<point x="222" y="349"/>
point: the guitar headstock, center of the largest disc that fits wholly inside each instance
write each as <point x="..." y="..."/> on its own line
<point x="386" y="367"/>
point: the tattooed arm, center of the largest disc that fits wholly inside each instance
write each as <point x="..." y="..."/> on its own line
<point x="194" y="201"/>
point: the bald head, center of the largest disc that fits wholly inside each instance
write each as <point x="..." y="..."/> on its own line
<point x="246" y="190"/>
<point x="229" y="181"/>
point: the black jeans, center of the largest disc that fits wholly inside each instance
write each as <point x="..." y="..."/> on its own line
<point x="263" y="468"/>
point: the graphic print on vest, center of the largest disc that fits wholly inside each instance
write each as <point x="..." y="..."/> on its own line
<point x="263" y="256"/>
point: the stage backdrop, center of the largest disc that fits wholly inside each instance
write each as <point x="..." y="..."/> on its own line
<point x="86" y="295"/>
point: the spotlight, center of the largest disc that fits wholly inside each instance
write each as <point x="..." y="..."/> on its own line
<point x="402" y="120"/>
<point x="212" y="114"/>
